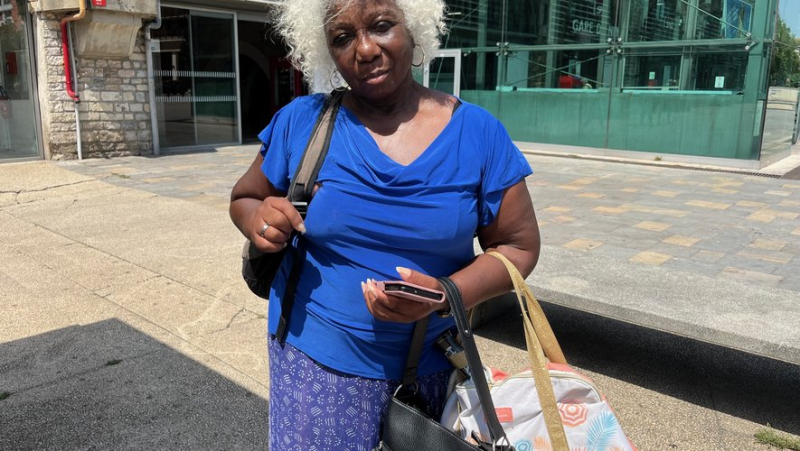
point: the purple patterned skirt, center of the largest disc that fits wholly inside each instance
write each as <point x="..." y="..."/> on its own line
<point x="316" y="408"/>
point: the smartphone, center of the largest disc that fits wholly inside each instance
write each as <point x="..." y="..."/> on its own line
<point x="410" y="291"/>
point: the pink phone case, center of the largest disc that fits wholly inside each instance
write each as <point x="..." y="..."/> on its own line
<point x="411" y="292"/>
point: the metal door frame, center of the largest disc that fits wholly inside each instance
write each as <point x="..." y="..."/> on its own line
<point x="446" y="53"/>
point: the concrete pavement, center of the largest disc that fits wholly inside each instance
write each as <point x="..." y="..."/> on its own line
<point x="126" y="325"/>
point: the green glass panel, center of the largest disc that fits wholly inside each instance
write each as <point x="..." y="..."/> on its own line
<point x="561" y="84"/>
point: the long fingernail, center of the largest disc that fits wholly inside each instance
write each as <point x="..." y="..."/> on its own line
<point x="302" y="227"/>
<point x="405" y="272"/>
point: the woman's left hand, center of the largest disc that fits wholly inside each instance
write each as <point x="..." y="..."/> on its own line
<point x="392" y="308"/>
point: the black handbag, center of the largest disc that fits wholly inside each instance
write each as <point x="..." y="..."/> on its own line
<point x="259" y="268"/>
<point x="407" y="428"/>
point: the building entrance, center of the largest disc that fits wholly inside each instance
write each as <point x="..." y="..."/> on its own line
<point x="18" y="129"/>
<point x="218" y="79"/>
<point x="266" y="80"/>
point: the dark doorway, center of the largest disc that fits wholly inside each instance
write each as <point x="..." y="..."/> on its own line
<point x="266" y="80"/>
<point x="255" y="88"/>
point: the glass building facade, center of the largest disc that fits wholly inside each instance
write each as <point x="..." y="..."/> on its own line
<point x="684" y="77"/>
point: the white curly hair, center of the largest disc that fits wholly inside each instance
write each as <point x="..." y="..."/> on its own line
<point x="301" y="23"/>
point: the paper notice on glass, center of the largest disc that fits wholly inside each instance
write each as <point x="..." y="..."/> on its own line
<point x="719" y="82"/>
<point x="652" y="76"/>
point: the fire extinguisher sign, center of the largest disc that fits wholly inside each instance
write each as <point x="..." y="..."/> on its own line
<point x="101" y="3"/>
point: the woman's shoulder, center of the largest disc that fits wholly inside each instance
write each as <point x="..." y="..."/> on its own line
<point x="304" y="104"/>
<point x="477" y="113"/>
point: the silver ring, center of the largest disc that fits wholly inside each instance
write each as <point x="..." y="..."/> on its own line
<point x="263" y="229"/>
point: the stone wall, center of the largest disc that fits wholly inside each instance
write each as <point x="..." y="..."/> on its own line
<point x="114" y="108"/>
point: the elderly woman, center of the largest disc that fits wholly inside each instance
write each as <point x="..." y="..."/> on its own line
<point x="411" y="177"/>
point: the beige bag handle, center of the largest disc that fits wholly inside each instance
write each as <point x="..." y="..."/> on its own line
<point x="542" y="345"/>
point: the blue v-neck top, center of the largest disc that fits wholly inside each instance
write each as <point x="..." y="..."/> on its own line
<point x="372" y="215"/>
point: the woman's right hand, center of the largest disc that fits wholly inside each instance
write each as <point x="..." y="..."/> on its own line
<point x="272" y="223"/>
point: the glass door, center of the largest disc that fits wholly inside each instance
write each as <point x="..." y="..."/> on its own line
<point x="18" y="136"/>
<point x="444" y="72"/>
<point x="195" y="78"/>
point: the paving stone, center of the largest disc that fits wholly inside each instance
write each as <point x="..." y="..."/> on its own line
<point x="773" y="257"/>
<point x="650" y="258"/>
<point x="692" y="266"/>
<point x="707" y="256"/>
<point x="680" y="240"/>
<point x="591" y="195"/>
<point x="673" y="250"/>
<point x="743" y="275"/>
<point x="767" y="244"/>
<point x="750" y="264"/>
<point x="751" y="204"/>
<point x="669" y="194"/>
<point x="609" y="210"/>
<point x="653" y="226"/>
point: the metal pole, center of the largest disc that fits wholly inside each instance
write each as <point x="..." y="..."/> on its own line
<point x="75" y="90"/>
<point x="151" y="86"/>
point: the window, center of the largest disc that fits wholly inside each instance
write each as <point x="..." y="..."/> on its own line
<point x="720" y="71"/>
<point x="724" y="19"/>
<point x="582" y="21"/>
<point x="652" y="72"/>
<point x="657" y="20"/>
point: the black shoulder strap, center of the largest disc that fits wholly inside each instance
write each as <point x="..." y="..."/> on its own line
<point x="300" y="189"/>
<point x="478" y="376"/>
<point x="499" y="440"/>
<point x="302" y="184"/>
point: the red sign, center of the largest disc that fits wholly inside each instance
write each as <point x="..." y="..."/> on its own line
<point x="99" y="3"/>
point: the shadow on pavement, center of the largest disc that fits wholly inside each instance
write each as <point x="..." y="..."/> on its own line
<point x="742" y="385"/>
<point x="108" y="386"/>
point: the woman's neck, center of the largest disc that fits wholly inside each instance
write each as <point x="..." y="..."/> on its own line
<point x="403" y="103"/>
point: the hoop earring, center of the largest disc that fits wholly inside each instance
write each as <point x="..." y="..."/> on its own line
<point x="423" y="56"/>
<point x="335" y="80"/>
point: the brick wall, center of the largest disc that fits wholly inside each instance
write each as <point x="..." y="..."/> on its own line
<point x="114" y="108"/>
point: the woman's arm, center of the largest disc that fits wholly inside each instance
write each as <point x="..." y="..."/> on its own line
<point x="255" y="202"/>
<point x="514" y="233"/>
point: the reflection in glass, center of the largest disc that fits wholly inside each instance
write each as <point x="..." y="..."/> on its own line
<point x="724" y="19"/>
<point x="581" y="21"/>
<point x="195" y="78"/>
<point x="657" y="20"/>
<point x="442" y="75"/>
<point x="567" y="69"/>
<point x="473" y="23"/>
<point x="646" y="75"/>
<point x="477" y="23"/>
<point x="478" y="71"/>
<point x="720" y="71"/>
<point x="17" y="115"/>
<point x="215" y="91"/>
<point x="652" y="72"/>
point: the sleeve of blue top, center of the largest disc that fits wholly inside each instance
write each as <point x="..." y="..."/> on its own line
<point x="504" y="166"/>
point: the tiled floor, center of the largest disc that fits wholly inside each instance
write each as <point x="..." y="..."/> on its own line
<point x="716" y="223"/>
